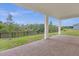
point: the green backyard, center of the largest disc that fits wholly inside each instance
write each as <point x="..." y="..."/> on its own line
<point x="14" y="42"/>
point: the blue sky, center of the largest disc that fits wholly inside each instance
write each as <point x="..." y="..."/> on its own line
<point x="26" y="16"/>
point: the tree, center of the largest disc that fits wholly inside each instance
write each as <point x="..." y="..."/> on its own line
<point x="2" y="26"/>
<point x="9" y="19"/>
<point x="10" y="26"/>
<point x="50" y="23"/>
<point x="9" y="23"/>
<point x="1" y="22"/>
<point x="41" y="28"/>
<point x="52" y="28"/>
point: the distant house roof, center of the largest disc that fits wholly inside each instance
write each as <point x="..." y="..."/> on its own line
<point x="76" y="24"/>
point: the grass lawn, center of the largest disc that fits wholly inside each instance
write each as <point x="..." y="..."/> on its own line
<point x="6" y="44"/>
<point x="70" y="32"/>
<point x="14" y="42"/>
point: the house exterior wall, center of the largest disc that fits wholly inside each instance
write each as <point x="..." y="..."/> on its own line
<point x="76" y="27"/>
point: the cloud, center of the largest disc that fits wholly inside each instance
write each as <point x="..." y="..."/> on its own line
<point x="15" y="13"/>
<point x="3" y="13"/>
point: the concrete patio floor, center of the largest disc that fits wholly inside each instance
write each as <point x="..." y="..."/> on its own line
<point x="55" y="46"/>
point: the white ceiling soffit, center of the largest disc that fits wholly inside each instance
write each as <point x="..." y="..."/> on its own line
<point x="59" y="10"/>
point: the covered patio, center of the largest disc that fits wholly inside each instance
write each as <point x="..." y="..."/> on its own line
<point x="50" y="46"/>
<point x="54" y="46"/>
<point x="60" y="11"/>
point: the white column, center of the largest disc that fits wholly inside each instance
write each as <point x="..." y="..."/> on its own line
<point x="46" y="27"/>
<point x="59" y="27"/>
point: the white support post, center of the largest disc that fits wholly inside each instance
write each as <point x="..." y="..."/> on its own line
<point x="59" y="27"/>
<point x="46" y="27"/>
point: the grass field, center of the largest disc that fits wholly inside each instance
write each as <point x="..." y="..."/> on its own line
<point x="14" y="42"/>
<point x="70" y="32"/>
<point x="6" y="44"/>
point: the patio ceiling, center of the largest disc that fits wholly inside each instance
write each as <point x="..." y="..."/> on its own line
<point x="59" y="10"/>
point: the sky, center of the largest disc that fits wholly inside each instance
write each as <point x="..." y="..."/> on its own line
<point x="26" y="16"/>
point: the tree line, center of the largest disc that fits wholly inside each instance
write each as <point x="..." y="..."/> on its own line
<point x="10" y="26"/>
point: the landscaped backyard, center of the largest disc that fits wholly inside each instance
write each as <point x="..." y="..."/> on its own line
<point x="14" y="42"/>
<point x="6" y="44"/>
